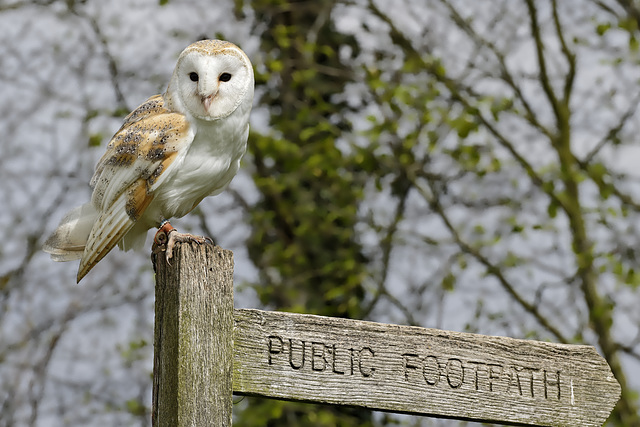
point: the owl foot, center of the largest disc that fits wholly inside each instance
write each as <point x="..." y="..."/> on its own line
<point x="167" y="237"/>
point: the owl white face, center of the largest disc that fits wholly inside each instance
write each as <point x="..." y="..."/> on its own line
<point x="212" y="78"/>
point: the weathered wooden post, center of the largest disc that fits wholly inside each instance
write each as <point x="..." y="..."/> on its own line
<point x="193" y="338"/>
<point x="201" y="343"/>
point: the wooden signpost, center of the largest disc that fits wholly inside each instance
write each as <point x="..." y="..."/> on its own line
<point x="205" y="351"/>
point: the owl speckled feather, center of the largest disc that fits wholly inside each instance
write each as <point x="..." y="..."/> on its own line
<point x="170" y="153"/>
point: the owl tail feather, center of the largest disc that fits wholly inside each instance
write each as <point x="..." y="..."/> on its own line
<point x="68" y="241"/>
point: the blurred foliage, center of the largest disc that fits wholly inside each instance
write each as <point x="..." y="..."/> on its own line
<point x="303" y="239"/>
<point x="303" y="227"/>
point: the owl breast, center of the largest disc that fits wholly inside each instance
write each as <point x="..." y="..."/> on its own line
<point x="206" y="168"/>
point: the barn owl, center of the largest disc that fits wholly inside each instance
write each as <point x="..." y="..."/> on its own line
<point x="171" y="152"/>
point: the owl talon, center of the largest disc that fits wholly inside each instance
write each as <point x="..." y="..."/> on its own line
<point x="175" y="237"/>
<point x="162" y="236"/>
<point x="167" y="237"/>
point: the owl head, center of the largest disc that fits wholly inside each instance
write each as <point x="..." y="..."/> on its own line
<point x="211" y="80"/>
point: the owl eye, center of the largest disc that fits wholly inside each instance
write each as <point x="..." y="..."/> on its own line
<point x="225" y="77"/>
<point x="193" y="76"/>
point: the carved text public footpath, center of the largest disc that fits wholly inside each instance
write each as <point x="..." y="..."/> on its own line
<point x="318" y="356"/>
<point x="428" y="370"/>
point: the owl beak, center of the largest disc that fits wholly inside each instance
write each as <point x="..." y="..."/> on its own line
<point x="206" y="100"/>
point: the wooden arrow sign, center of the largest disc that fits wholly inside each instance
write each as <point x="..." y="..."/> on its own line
<point x="420" y="371"/>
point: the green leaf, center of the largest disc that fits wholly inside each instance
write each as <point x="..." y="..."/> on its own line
<point x="136" y="408"/>
<point x="120" y="112"/>
<point x="603" y="28"/>
<point x="448" y="282"/>
<point x="95" y="139"/>
<point x="552" y="209"/>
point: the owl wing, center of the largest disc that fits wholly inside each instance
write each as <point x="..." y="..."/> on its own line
<point x="137" y="160"/>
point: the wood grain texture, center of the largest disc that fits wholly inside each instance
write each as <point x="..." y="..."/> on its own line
<point x="420" y="371"/>
<point x="193" y="338"/>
